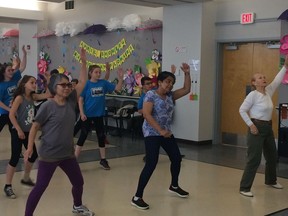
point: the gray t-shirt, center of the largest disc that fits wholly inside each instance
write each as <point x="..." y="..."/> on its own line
<point x="57" y="123"/>
<point x="25" y="114"/>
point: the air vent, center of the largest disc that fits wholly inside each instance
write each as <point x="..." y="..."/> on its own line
<point x="69" y="5"/>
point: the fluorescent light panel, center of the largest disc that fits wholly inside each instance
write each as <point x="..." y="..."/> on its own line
<point x="20" y="4"/>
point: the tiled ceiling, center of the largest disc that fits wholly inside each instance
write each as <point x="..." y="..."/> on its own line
<point x="148" y="3"/>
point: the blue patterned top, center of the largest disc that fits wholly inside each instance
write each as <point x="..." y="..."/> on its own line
<point x="162" y="112"/>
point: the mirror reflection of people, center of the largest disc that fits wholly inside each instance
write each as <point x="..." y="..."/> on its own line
<point x="256" y="111"/>
<point x="158" y="109"/>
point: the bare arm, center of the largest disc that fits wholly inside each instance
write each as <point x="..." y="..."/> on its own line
<point x="31" y="140"/>
<point x="43" y="96"/>
<point x="83" y="73"/>
<point x="107" y="75"/>
<point x="3" y="106"/>
<point x="120" y="79"/>
<point x="24" y="60"/>
<point x="187" y="83"/>
<point x="81" y="109"/>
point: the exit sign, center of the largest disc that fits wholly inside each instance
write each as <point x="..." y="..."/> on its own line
<point x="247" y="18"/>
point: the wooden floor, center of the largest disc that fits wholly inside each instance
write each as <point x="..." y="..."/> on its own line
<point x="214" y="190"/>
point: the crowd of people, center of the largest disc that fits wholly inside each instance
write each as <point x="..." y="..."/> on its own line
<point x="84" y="99"/>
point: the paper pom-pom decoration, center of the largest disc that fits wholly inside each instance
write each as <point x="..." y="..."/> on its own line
<point x="131" y="22"/>
<point x="70" y="28"/>
<point x="284" y="49"/>
<point x="95" y="29"/>
<point x="284" y="45"/>
<point x="11" y="33"/>
<point x="75" y="28"/>
<point x="284" y="15"/>
<point x="61" y="29"/>
<point x="42" y="66"/>
<point x="114" y="24"/>
<point x="284" y="39"/>
<point x="150" y="24"/>
<point x="44" y="33"/>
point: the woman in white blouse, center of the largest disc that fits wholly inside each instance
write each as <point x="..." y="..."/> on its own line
<point x="256" y="111"/>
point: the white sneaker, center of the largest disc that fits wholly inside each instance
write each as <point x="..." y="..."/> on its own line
<point x="277" y="186"/>
<point x="246" y="193"/>
<point x="82" y="210"/>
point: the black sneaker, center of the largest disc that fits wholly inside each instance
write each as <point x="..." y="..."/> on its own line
<point x="178" y="191"/>
<point x="28" y="183"/>
<point x="139" y="203"/>
<point x="9" y="192"/>
<point x="104" y="164"/>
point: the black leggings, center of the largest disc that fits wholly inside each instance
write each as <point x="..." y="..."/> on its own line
<point x="16" y="147"/>
<point x="86" y="126"/>
<point x="152" y="146"/>
<point x="4" y="119"/>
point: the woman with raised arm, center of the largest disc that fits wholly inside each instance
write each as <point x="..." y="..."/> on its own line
<point x="158" y="109"/>
<point x="256" y="111"/>
<point x="56" y="118"/>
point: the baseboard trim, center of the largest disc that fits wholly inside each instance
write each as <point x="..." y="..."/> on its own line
<point x="191" y="142"/>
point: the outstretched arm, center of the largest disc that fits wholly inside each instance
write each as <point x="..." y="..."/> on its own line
<point x="107" y="74"/>
<point x="187" y="83"/>
<point x="24" y="60"/>
<point x="120" y="79"/>
<point x="83" y="73"/>
<point x="31" y="140"/>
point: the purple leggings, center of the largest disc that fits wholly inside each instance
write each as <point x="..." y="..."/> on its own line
<point x="45" y="172"/>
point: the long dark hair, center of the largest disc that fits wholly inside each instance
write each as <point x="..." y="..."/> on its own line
<point x="3" y="68"/>
<point x="21" y="86"/>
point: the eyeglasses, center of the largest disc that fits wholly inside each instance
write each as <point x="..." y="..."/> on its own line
<point x="65" y="85"/>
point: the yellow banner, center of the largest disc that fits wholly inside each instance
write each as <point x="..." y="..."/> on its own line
<point x="103" y="53"/>
<point x="114" y="64"/>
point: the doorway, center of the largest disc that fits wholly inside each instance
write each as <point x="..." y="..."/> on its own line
<point x="239" y="63"/>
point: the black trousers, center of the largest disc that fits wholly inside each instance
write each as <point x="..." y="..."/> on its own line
<point x="100" y="131"/>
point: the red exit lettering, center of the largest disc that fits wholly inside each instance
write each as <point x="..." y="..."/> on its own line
<point x="247" y="18"/>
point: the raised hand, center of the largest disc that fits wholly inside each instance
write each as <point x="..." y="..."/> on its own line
<point x="83" y="55"/>
<point x="185" y="68"/>
<point x="173" y="69"/>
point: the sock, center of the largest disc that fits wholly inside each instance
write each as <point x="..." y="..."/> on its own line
<point x="26" y="177"/>
<point x="8" y="185"/>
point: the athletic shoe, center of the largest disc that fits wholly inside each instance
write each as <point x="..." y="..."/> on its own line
<point x="277" y="186"/>
<point x="9" y="192"/>
<point x="82" y="210"/>
<point x="28" y="183"/>
<point x="246" y="193"/>
<point x="178" y="191"/>
<point x="104" y="164"/>
<point x="139" y="203"/>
